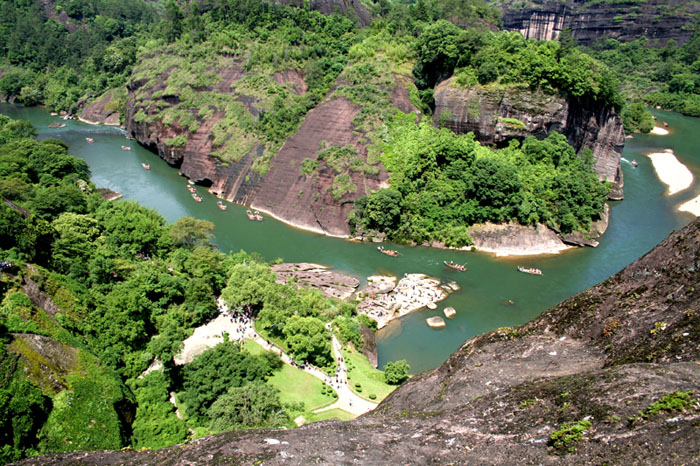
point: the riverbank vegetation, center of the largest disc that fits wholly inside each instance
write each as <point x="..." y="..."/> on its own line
<point x="93" y="292"/>
<point x="442" y="182"/>
<point x="656" y="76"/>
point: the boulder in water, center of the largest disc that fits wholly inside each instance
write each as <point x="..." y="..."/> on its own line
<point x="450" y="312"/>
<point x="435" y="322"/>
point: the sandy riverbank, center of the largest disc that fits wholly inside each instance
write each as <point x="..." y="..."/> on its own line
<point x="692" y="206"/>
<point x="659" y="131"/>
<point x="536" y="251"/>
<point x="296" y="225"/>
<point x="414" y="291"/>
<point x="670" y="171"/>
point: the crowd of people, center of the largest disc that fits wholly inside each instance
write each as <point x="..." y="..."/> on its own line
<point x="414" y="291"/>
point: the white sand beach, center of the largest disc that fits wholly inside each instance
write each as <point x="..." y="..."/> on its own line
<point x="670" y="171"/>
<point x="538" y="250"/>
<point x="692" y="206"/>
<point x="659" y="131"/>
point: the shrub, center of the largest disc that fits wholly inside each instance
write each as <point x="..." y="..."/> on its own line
<point x="396" y="373"/>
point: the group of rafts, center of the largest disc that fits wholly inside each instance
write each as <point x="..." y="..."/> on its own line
<point x="251" y="215"/>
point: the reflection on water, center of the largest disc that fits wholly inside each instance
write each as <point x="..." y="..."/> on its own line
<point x="638" y="223"/>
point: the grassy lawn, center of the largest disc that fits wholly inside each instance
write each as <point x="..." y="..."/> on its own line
<point x="330" y="414"/>
<point x="371" y="379"/>
<point x="275" y="341"/>
<point x="294" y="384"/>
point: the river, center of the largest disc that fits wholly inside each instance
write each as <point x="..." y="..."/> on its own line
<point x="637" y="224"/>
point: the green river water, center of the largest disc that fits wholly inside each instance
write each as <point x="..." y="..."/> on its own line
<point x="637" y="224"/>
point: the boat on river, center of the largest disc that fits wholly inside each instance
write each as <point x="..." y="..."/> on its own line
<point x="126" y="148"/>
<point x="388" y="252"/>
<point x="530" y="270"/>
<point x="196" y="197"/>
<point x="221" y="205"/>
<point x="666" y="124"/>
<point x="452" y="265"/>
<point x="90" y="140"/>
<point x="191" y="189"/>
<point x="145" y="166"/>
<point x="258" y="216"/>
<point x="634" y="163"/>
<point x="250" y="214"/>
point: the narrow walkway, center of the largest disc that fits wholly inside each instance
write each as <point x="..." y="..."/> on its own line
<point x="240" y="328"/>
<point x="347" y="399"/>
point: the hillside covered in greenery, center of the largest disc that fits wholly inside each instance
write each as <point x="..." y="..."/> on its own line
<point x="93" y="291"/>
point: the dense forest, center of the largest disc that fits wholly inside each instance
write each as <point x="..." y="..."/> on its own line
<point x="125" y="288"/>
<point x="112" y="287"/>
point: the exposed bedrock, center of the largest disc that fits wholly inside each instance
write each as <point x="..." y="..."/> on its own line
<point x="658" y="20"/>
<point x="498" y="115"/>
<point x="602" y="360"/>
<point x="304" y="199"/>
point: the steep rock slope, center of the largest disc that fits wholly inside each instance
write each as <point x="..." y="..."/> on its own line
<point x="658" y="20"/>
<point x="496" y="115"/>
<point x="605" y="359"/>
<point x="204" y="118"/>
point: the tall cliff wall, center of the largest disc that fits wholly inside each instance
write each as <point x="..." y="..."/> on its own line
<point x="600" y="360"/>
<point x="299" y="187"/>
<point x="489" y="113"/>
<point x="658" y="20"/>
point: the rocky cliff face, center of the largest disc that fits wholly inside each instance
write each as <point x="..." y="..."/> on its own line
<point x="496" y="115"/>
<point x="604" y="359"/>
<point x="658" y="20"/>
<point x="299" y="187"/>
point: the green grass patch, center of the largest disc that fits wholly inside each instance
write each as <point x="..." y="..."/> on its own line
<point x="371" y="380"/>
<point x="673" y="402"/>
<point x="294" y="384"/>
<point x="565" y="439"/>
<point x="337" y="414"/>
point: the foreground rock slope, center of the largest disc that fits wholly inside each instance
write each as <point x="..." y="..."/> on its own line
<point x="601" y="357"/>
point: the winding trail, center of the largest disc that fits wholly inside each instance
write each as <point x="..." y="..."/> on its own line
<point x="238" y="329"/>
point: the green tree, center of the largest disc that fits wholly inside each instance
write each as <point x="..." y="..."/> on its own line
<point x="190" y="232"/>
<point x="308" y="340"/>
<point x="252" y="406"/>
<point x="155" y="425"/>
<point x="214" y="372"/>
<point x="396" y="373"/>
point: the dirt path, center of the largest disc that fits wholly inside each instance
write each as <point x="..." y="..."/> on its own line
<point x="211" y="334"/>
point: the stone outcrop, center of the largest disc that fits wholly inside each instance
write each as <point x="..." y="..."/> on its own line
<point x="604" y="357"/>
<point x="658" y="20"/>
<point x="284" y="191"/>
<point x="514" y="239"/>
<point x="496" y="115"/>
<point x="332" y="284"/>
<point x="101" y="111"/>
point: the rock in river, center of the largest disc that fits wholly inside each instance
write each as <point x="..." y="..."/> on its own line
<point x="435" y="322"/>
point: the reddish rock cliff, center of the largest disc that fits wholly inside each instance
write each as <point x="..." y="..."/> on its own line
<point x="317" y="198"/>
<point x="495" y="116"/>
